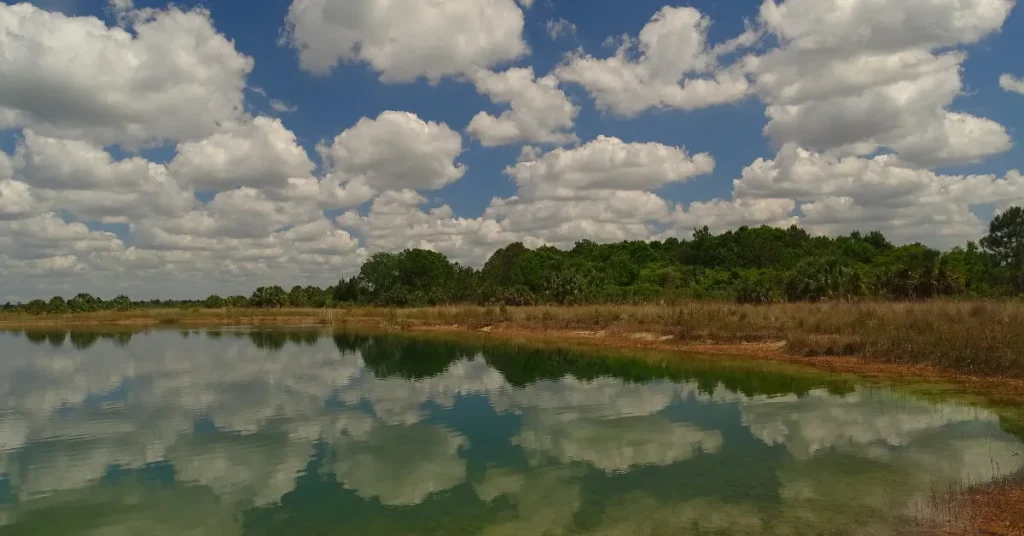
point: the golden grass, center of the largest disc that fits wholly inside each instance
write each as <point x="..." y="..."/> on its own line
<point x="974" y="337"/>
<point x="993" y="509"/>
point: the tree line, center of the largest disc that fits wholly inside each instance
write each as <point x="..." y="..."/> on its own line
<point x="746" y="265"/>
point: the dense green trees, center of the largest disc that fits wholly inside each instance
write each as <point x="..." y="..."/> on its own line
<point x="1005" y="241"/>
<point x="750" y="265"/>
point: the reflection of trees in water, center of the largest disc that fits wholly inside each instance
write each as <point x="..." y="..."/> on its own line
<point x="268" y="340"/>
<point x="275" y="340"/>
<point x="524" y="366"/>
<point x="398" y="357"/>
<point x="56" y="338"/>
<point x="83" y="340"/>
<point x="412" y="359"/>
<point x="80" y="340"/>
<point x="349" y="342"/>
<point x="36" y="337"/>
<point x="121" y="338"/>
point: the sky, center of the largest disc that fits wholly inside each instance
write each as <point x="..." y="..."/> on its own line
<point x="179" y="150"/>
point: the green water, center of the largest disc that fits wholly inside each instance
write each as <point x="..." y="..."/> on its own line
<point x="292" y="433"/>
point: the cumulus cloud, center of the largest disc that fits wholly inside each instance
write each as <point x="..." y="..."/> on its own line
<point x="85" y="180"/>
<point x="260" y="153"/>
<point x="48" y="235"/>
<point x="395" y="222"/>
<point x="1011" y="83"/>
<point x="240" y="234"/>
<point x="601" y="190"/>
<point x="174" y="77"/>
<point x="395" y="151"/>
<point x="855" y="77"/>
<point x="843" y="194"/>
<point x="668" y="65"/>
<point x="721" y="215"/>
<point x="15" y="200"/>
<point x="540" y="112"/>
<point x="404" y="41"/>
<point x="605" y="163"/>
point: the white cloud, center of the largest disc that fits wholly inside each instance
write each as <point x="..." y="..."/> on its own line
<point x="832" y="195"/>
<point x="15" y="196"/>
<point x="282" y="107"/>
<point x="854" y="77"/>
<point x="406" y="40"/>
<point x="599" y="190"/>
<point x="540" y="112"/>
<point x="867" y="25"/>
<point x="174" y="78"/>
<point x="604" y="216"/>
<point x="843" y="194"/>
<point x="47" y="235"/>
<point x="722" y="215"/>
<point x="261" y="153"/>
<point x="244" y="235"/>
<point x="86" y="181"/>
<point x="395" y="151"/>
<point x="15" y="200"/>
<point x="560" y="27"/>
<point x="395" y="222"/>
<point x="1011" y="83"/>
<point x="669" y="65"/>
<point x="121" y="6"/>
<point x="6" y="168"/>
<point x="605" y="163"/>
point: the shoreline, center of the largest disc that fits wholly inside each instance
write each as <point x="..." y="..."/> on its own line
<point x="999" y="389"/>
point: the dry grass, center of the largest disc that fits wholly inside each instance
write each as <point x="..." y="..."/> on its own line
<point x="995" y="509"/>
<point x="973" y="337"/>
<point x="976" y="337"/>
<point x="175" y="317"/>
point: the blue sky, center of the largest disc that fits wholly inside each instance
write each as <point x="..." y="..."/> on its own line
<point x="328" y="104"/>
<point x="947" y="132"/>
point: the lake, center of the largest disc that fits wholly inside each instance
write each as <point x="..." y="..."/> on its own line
<point x="295" y="433"/>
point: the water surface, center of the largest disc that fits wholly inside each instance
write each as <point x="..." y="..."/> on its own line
<point x="294" y="433"/>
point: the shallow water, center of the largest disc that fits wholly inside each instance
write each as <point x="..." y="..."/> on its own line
<point x="293" y="433"/>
